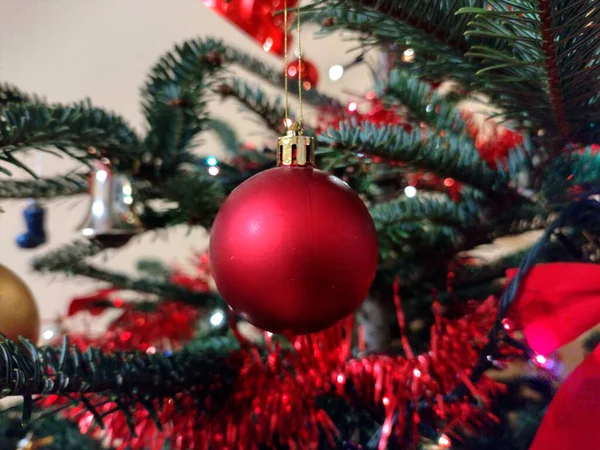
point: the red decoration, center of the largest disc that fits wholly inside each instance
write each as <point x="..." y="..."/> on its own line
<point x="572" y="417"/>
<point x="558" y="302"/>
<point x="168" y="326"/>
<point x="307" y="70"/>
<point x="256" y="18"/>
<point x="90" y="303"/>
<point x="494" y="142"/>
<point x="276" y="389"/>
<point x="293" y="249"/>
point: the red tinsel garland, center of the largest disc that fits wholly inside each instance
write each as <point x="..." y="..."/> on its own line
<point x="276" y="394"/>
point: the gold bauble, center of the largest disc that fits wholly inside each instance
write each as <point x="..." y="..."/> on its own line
<point x="19" y="314"/>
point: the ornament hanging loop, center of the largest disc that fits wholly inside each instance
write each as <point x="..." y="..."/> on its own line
<point x="295" y="149"/>
<point x="287" y="121"/>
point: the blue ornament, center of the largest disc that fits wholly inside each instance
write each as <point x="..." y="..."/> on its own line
<point x="35" y="235"/>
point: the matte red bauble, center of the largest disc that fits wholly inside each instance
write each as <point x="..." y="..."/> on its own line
<point x="307" y="70"/>
<point x="293" y="249"/>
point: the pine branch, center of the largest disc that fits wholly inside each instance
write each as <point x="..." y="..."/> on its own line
<point x="175" y="99"/>
<point x="11" y="94"/>
<point x="67" y="370"/>
<point x="162" y="289"/>
<point x="70" y="259"/>
<point x="255" y="100"/>
<point x="413" y="226"/>
<point x="423" y="103"/>
<point x="197" y="199"/>
<point x="276" y="77"/>
<point x="175" y="96"/>
<point x="64" y="258"/>
<point x="66" y="185"/>
<point x="449" y="156"/>
<point x="541" y="64"/>
<point x="429" y="27"/>
<point x="68" y="129"/>
<point x="226" y="134"/>
<point x="571" y="172"/>
<point x="436" y="209"/>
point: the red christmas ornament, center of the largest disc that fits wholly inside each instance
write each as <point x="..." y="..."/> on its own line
<point x="305" y="70"/>
<point x="572" y="417"/>
<point x="257" y="18"/>
<point x="554" y="309"/>
<point x="293" y="249"/>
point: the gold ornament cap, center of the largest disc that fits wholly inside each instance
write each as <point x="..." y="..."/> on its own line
<point x="295" y="149"/>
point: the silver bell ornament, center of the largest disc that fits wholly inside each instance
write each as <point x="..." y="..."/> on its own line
<point x="112" y="219"/>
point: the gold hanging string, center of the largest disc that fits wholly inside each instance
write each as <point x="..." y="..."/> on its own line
<point x="294" y="149"/>
<point x="299" y="67"/>
<point x="285" y="61"/>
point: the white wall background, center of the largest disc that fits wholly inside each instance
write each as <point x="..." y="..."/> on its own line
<point x="67" y="50"/>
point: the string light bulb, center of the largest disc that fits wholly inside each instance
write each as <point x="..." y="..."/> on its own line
<point x="408" y="55"/>
<point x="410" y="191"/>
<point x="335" y="72"/>
<point x="217" y="318"/>
<point x="444" y="441"/>
<point x="101" y="175"/>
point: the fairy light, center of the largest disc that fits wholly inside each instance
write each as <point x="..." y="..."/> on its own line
<point x="214" y="171"/>
<point x="125" y="336"/>
<point x="212" y="161"/>
<point x="387" y="428"/>
<point x="417" y="373"/>
<point x="352" y="106"/>
<point x="541" y="360"/>
<point x="410" y="191"/>
<point x="341" y="378"/>
<point x="217" y="318"/>
<point x="385" y="401"/>
<point x="48" y="334"/>
<point x="98" y="208"/>
<point x="268" y="44"/>
<point x="101" y="175"/>
<point x="448" y="182"/>
<point x="444" y="441"/>
<point x="335" y="72"/>
<point x="408" y="55"/>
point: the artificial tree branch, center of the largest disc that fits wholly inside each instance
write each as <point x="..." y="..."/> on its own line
<point x="423" y="103"/>
<point x="163" y="290"/>
<point x="70" y="258"/>
<point x="450" y="156"/>
<point x="255" y="101"/>
<point x="65" y="369"/>
<point x="66" y="185"/>
<point x="65" y="129"/>
<point x="11" y="94"/>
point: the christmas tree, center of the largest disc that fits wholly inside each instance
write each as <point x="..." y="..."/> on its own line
<point x="420" y="366"/>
